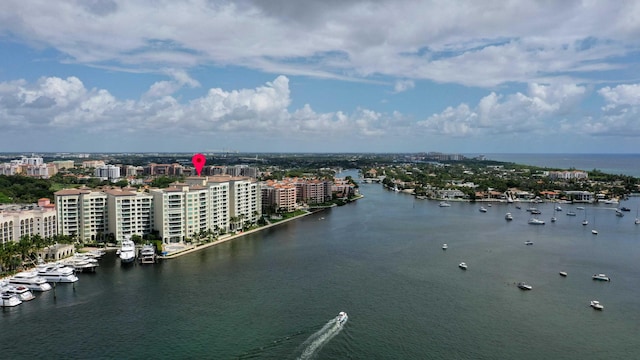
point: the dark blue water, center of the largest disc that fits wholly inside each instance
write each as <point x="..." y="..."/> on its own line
<point x="626" y="164"/>
<point x="264" y="296"/>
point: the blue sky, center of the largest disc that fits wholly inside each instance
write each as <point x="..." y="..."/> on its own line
<point x="320" y="76"/>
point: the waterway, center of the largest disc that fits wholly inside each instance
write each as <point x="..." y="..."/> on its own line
<point x="273" y="294"/>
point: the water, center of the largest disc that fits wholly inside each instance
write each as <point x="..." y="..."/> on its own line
<point x="625" y="164"/>
<point x="269" y="295"/>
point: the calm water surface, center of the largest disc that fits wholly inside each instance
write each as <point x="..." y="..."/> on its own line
<point x="272" y="295"/>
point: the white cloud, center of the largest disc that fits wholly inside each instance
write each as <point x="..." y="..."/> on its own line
<point x="473" y="43"/>
<point x="404" y="85"/>
<point x="508" y="114"/>
<point x="620" y="95"/>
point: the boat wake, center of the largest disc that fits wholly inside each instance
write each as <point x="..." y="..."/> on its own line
<point x="320" y="338"/>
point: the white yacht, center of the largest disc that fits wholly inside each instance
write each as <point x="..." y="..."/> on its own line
<point x="445" y="246"/>
<point x="127" y="251"/>
<point x="508" y="216"/>
<point x="56" y="272"/>
<point x="30" y="280"/>
<point x="596" y="305"/>
<point x="528" y="242"/>
<point x="444" y="204"/>
<point x="483" y="209"/>
<point x="534" y="221"/>
<point x="9" y="300"/>
<point x="81" y="263"/>
<point x="342" y="318"/>
<point x="462" y="266"/>
<point x="524" y="286"/>
<point x="22" y="291"/>
<point x="563" y="273"/>
<point x="601" y="277"/>
<point x="147" y="254"/>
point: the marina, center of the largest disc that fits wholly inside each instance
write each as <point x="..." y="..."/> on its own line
<point x="354" y="261"/>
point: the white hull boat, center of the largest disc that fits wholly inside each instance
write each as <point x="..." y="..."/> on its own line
<point x="54" y="272"/>
<point x="601" y="277"/>
<point x="10" y="300"/>
<point x="342" y="318"/>
<point x="596" y="305"/>
<point x="30" y="280"/>
<point x="127" y="252"/>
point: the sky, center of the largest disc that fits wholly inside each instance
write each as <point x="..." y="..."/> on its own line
<point x="320" y="76"/>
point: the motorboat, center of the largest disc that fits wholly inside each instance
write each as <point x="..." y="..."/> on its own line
<point x="508" y="216"/>
<point x="534" y="221"/>
<point x="147" y="254"/>
<point x="601" y="277"/>
<point x="596" y="305"/>
<point x="619" y="213"/>
<point x="30" y="280"/>
<point x="483" y="209"/>
<point x="563" y="273"/>
<point x="625" y="209"/>
<point x="571" y="213"/>
<point x="585" y="222"/>
<point x="22" y="291"/>
<point x="462" y="266"/>
<point x="594" y="232"/>
<point x="342" y="318"/>
<point x="444" y="204"/>
<point x="127" y="251"/>
<point x="554" y="219"/>
<point x="445" y="246"/>
<point x="56" y="272"/>
<point x="528" y="242"/>
<point x="524" y="286"/>
<point x="611" y="201"/>
<point x="558" y="208"/>
<point x="579" y="207"/>
<point x="9" y="300"/>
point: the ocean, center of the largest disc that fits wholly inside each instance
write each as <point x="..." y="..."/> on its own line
<point x="625" y="164"/>
<point x="274" y="294"/>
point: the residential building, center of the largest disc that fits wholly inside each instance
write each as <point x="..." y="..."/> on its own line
<point x="17" y="221"/>
<point x="82" y="212"/>
<point x="130" y="213"/>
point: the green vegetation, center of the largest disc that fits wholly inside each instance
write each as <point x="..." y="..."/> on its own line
<point x="14" y="255"/>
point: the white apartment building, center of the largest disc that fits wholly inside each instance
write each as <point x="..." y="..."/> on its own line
<point x="18" y="221"/>
<point x="108" y="172"/>
<point x="169" y="213"/>
<point x="82" y="212"/>
<point x="245" y="201"/>
<point x="130" y="213"/>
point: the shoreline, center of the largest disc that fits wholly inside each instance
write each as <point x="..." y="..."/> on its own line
<point x="194" y="248"/>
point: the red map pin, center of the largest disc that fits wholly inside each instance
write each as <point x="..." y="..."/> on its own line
<point x="198" y="161"/>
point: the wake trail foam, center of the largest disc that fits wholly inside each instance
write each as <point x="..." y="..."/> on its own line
<point x="317" y="340"/>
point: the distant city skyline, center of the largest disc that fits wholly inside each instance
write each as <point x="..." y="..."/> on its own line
<point x="357" y="76"/>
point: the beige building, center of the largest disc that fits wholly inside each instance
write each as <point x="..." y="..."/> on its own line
<point x="82" y="212"/>
<point x="18" y="221"/>
<point x="129" y="213"/>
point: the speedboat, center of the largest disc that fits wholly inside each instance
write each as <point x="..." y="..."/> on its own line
<point x="524" y="286"/>
<point x="558" y="208"/>
<point x="563" y="273"/>
<point x="553" y="219"/>
<point x="342" y="318"/>
<point x="579" y="207"/>
<point x="30" y="280"/>
<point x="596" y="305"/>
<point x="601" y="277"/>
<point x="55" y="272"/>
<point x="625" y="209"/>
<point x="571" y="213"/>
<point x="594" y="232"/>
<point x="619" y="213"/>
<point x="508" y="216"/>
<point x="528" y="242"/>
<point x="444" y="204"/>
<point x="445" y="246"/>
<point x="483" y="209"/>
<point x="9" y="300"/>
<point x="534" y="221"/>
<point x="127" y="251"/>
<point x="462" y="266"/>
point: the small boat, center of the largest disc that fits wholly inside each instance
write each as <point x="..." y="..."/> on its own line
<point x="571" y="213"/>
<point x="553" y="219"/>
<point x="563" y="273"/>
<point x="9" y="300"/>
<point x="558" y="208"/>
<point x="445" y="246"/>
<point x="508" y="216"/>
<point x="342" y="318"/>
<point x="524" y="286"/>
<point x="596" y="305"/>
<point x="585" y="222"/>
<point x="625" y="209"/>
<point x="528" y="242"/>
<point x="444" y="204"/>
<point x="534" y="221"/>
<point x="601" y="277"/>
<point x="483" y="209"/>
<point x="580" y="208"/>
<point x="594" y="232"/>
<point x="462" y="266"/>
<point x="619" y="213"/>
